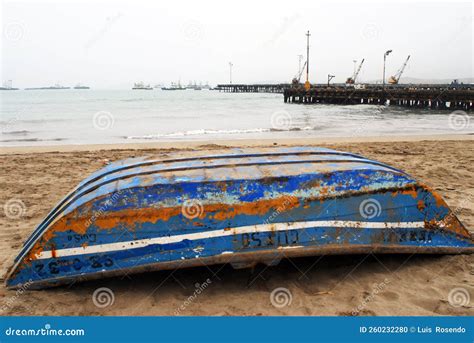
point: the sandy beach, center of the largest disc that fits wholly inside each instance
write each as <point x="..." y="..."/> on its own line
<point x="325" y="285"/>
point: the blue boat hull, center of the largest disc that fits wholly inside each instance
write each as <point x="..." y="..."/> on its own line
<point x="244" y="208"/>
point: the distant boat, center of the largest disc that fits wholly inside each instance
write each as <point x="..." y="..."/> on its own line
<point x="141" y="86"/>
<point x="56" y="86"/>
<point x="7" y="86"/>
<point x="174" y="87"/>
<point x="79" y="86"/>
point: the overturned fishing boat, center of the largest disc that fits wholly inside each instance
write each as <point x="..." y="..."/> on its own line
<point x="244" y="207"/>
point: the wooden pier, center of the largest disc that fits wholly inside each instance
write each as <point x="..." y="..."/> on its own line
<point x="434" y="98"/>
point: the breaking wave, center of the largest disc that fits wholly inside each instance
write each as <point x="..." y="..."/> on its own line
<point x="203" y="132"/>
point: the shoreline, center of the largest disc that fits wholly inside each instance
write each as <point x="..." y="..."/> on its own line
<point x="222" y="143"/>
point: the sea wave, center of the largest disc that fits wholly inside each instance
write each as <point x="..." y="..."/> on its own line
<point x="202" y="132"/>
<point x="33" y="140"/>
<point x="16" y="133"/>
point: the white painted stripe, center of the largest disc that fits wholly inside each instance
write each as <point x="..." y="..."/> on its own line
<point x="100" y="248"/>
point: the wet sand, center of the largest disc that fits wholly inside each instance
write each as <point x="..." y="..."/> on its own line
<point x="326" y="285"/>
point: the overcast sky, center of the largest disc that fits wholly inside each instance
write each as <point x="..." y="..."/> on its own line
<point x="111" y="44"/>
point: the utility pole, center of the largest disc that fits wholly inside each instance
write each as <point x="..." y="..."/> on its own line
<point x="353" y="75"/>
<point x="307" y="85"/>
<point x="230" y="71"/>
<point x="388" y="52"/>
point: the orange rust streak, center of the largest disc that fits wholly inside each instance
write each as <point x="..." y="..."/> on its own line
<point x="152" y="215"/>
<point x="439" y="200"/>
<point x="409" y="191"/>
<point x="453" y="224"/>
<point x="261" y="207"/>
<point x="324" y="191"/>
<point x="421" y="205"/>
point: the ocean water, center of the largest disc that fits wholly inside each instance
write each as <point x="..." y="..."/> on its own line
<point x="54" y="117"/>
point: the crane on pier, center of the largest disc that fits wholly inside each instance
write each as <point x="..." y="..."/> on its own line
<point x="297" y="78"/>
<point x="352" y="80"/>
<point x="393" y="80"/>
